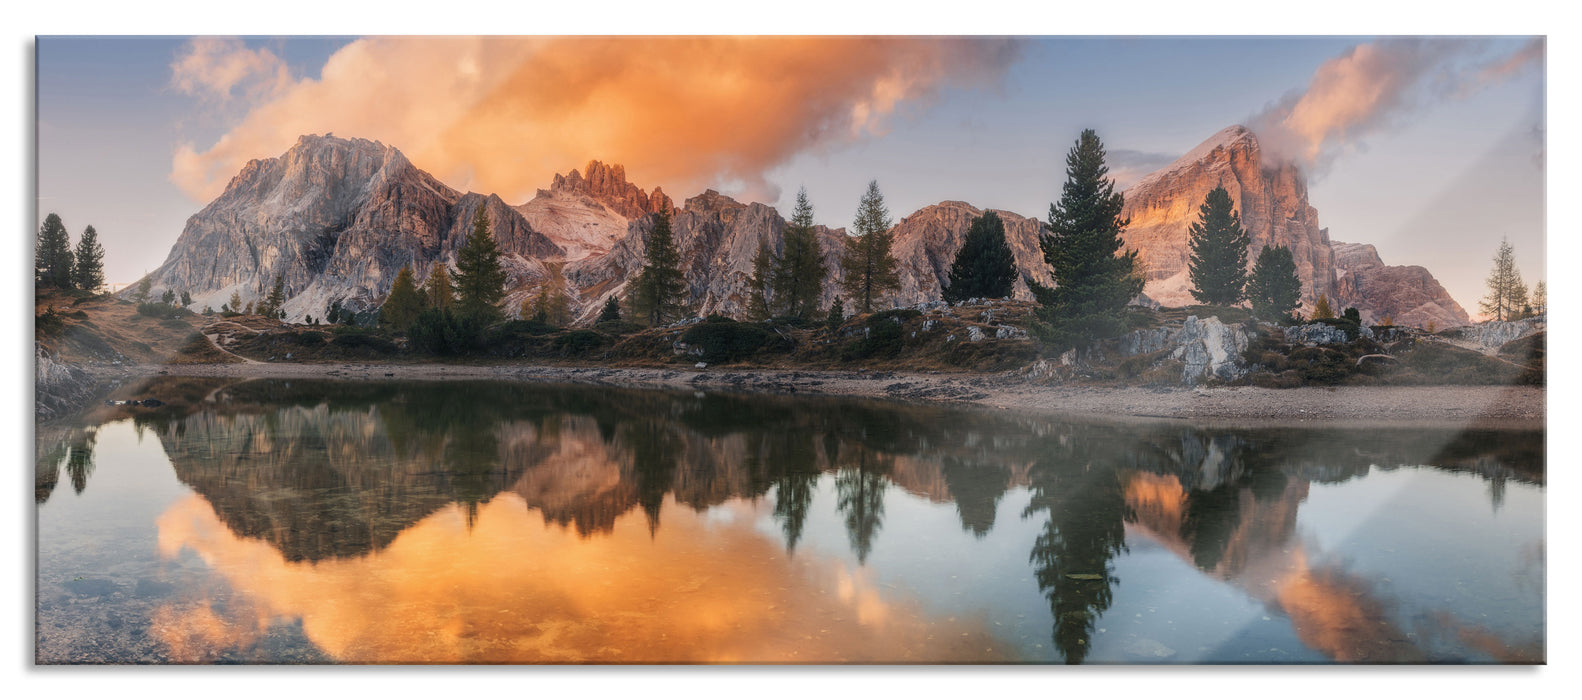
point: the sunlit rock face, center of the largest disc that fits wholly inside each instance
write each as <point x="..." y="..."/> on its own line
<point x="586" y="215"/>
<point x="717" y="237"/>
<point x="926" y="243"/>
<point x="1408" y="294"/>
<point x="335" y="219"/>
<point x="1272" y="200"/>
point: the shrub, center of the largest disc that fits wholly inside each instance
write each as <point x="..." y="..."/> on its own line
<point x="364" y="340"/>
<point x="1321" y="365"/>
<point x="731" y="341"/>
<point x="309" y="340"/>
<point x="885" y="336"/>
<point x="50" y="322"/>
<point x="617" y="327"/>
<point x="154" y="309"/>
<point x="580" y="342"/>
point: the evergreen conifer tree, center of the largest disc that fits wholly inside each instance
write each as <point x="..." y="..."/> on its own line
<point x="404" y="302"/>
<point x="1274" y="288"/>
<point x="480" y="280"/>
<point x="88" y="270"/>
<point x="759" y="293"/>
<point x="52" y="258"/>
<point x="868" y="265"/>
<point x="798" y="279"/>
<point x="984" y="267"/>
<point x="837" y="314"/>
<point x="1093" y="283"/>
<point x="611" y="311"/>
<point x="659" y="294"/>
<point x="1218" y="243"/>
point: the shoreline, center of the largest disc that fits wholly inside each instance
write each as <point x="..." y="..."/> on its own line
<point x="1494" y="407"/>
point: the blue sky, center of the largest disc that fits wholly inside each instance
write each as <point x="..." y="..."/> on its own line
<point x="1436" y="184"/>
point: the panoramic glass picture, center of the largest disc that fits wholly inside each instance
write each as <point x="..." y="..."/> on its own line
<point x="790" y="350"/>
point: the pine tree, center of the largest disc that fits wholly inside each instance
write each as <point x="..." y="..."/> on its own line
<point x="276" y="298"/>
<point x="88" y="270"/>
<point x="1093" y="283"/>
<point x="1274" y="288"/>
<point x="169" y="297"/>
<point x="612" y="310"/>
<point x="1504" y="282"/>
<point x="984" y="267"/>
<point x="1540" y="298"/>
<point x="1321" y="308"/>
<point x="439" y="293"/>
<point x="798" y="280"/>
<point x="759" y="294"/>
<point x="659" y="294"/>
<point x="868" y="265"/>
<point x="480" y="280"/>
<point x="186" y="298"/>
<point x="837" y="314"/>
<point x="52" y="258"/>
<point x="404" y="302"/>
<point x="1218" y="243"/>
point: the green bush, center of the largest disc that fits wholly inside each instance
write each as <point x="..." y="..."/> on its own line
<point x="156" y="309"/>
<point x="309" y="339"/>
<point x="731" y="341"/>
<point x="50" y="322"/>
<point x="1321" y="365"/>
<point x="364" y="340"/>
<point x="580" y="342"/>
<point x="617" y="327"/>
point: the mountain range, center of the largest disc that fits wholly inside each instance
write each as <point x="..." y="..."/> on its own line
<point x="336" y="218"/>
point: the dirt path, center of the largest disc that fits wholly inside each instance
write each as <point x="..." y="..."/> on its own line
<point x="214" y="339"/>
<point x="1493" y="406"/>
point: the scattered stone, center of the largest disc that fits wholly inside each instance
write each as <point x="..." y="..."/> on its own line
<point x="701" y="365"/>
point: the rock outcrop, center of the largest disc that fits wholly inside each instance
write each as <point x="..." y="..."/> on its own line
<point x="1207" y="348"/>
<point x="1271" y="197"/>
<point x="335" y="219"/>
<point x="1407" y="294"/>
<point x="1490" y="335"/>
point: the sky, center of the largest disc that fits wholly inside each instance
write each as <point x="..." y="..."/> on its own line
<point x="1431" y="149"/>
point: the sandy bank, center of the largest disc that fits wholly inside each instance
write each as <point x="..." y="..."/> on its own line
<point x="1491" y="406"/>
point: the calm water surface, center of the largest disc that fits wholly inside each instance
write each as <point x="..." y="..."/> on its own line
<point x="321" y="522"/>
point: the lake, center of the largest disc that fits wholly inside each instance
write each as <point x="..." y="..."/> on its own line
<point x="308" y="521"/>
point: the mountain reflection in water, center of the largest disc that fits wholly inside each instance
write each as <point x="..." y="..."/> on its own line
<point x="496" y="522"/>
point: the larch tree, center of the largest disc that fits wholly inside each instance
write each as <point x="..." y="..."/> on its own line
<point x="1274" y="288"/>
<point x="659" y="294"/>
<point x="52" y="257"/>
<point x="272" y="303"/>
<point x="984" y="267"/>
<point x="88" y="268"/>
<point x="1540" y="298"/>
<point x="1507" y="293"/>
<point x="480" y="279"/>
<point x="404" y="302"/>
<point x="1218" y="245"/>
<point x="1321" y="308"/>
<point x="439" y="292"/>
<point x="1094" y="281"/>
<point x="869" y="267"/>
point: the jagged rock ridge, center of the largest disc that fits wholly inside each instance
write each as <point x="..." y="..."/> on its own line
<point x="1408" y="294"/>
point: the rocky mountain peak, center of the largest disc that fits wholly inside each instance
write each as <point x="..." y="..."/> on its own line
<point x="607" y="185"/>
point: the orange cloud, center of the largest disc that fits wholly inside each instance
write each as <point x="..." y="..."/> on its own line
<point x="503" y="115"/>
<point x="224" y="68"/>
<point x="511" y="588"/>
<point x="1372" y="86"/>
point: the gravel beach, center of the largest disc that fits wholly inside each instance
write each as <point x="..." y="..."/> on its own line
<point x="1490" y="406"/>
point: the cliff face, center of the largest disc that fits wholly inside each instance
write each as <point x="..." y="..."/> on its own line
<point x="1408" y="294"/>
<point x="927" y="241"/>
<point x="336" y="219"/>
<point x="1272" y="199"/>
<point x="587" y="215"/>
<point x="717" y="237"/>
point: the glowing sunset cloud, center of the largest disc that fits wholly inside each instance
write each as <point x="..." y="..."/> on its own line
<point x="503" y="115"/>
<point x="513" y="590"/>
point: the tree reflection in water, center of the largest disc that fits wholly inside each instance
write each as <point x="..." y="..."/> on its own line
<point x="325" y="470"/>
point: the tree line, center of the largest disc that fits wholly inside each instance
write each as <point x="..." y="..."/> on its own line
<point x="57" y="265"/>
